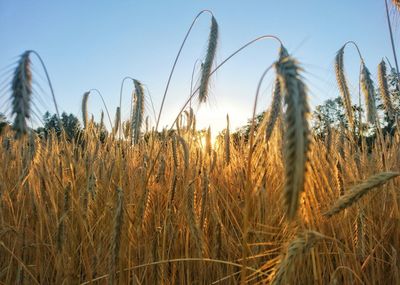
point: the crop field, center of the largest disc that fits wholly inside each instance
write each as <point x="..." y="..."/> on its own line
<point x="294" y="197"/>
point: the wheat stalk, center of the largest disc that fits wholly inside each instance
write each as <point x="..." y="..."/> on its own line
<point x="360" y="235"/>
<point x="92" y="184"/>
<point x="61" y="225"/>
<point x="213" y="161"/>
<point x="395" y="269"/>
<point x="355" y="193"/>
<point x="176" y="60"/>
<point x="227" y="142"/>
<point x="116" y="236"/>
<point x="204" y="195"/>
<point x="161" y="171"/>
<point x="296" y="145"/>
<point x="104" y="104"/>
<point x="191" y="219"/>
<point x="142" y="204"/>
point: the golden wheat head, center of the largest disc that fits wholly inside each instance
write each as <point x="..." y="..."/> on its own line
<point x="209" y="60"/>
<point x="368" y="89"/>
<point x="355" y="193"/>
<point x="384" y="90"/>
<point x="138" y="111"/>
<point x="343" y="87"/>
<point x="21" y="94"/>
<point x="297" y="132"/>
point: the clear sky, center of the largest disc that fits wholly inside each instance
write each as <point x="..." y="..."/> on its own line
<point x="95" y="43"/>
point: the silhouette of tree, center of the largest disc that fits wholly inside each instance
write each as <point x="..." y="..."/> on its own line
<point x="71" y="125"/>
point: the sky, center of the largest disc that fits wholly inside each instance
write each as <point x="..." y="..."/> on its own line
<point x="96" y="43"/>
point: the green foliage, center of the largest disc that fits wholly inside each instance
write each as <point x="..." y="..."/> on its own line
<point x="70" y="123"/>
<point x="244" y="131"/>
<point x="3" y="122"/>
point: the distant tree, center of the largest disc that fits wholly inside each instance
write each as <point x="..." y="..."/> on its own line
<point x="3" y="123"/>
<point x="330" y="114"/>
<point x="69" y="122"/>
<point x="244" y="131"/>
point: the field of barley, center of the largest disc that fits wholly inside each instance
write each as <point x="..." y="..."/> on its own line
<point x="294" y="197"/>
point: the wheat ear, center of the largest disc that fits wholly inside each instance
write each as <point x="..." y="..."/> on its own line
<point x="161" y="171"/>
<point x="360" y="235"/>
<point x="384" y="90"/>
<point x="209" y="60"/>
<point x="296" y="249"/>
<point x="355" y="193"/>
<point x="174" y="151"/>
<point x="339" y="177"/>
<point x="208" y="141"/>
<point x="276" y="105"/>
<point x="138" y="113"/>
<point x="297" y="140"/>
<point x="85" y="109"/>
<point x="368" y="89"/>
<point x="101" y="126"/>
<point x="117" y="121"/>
<point x="185" y="149"/>
<point x="21" y="94"/>
<point x="343" y="86"/>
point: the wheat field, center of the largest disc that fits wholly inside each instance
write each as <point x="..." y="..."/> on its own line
<point x="139" y="205"/>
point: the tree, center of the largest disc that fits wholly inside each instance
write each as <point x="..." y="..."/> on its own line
<point x="330" y="114"/>
<point x="3" y="123"/>
<point x="244" y="131"/>
<point x="70" y="123"/>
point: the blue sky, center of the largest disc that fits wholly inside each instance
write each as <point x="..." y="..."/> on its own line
<point x="94" y="44"/>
